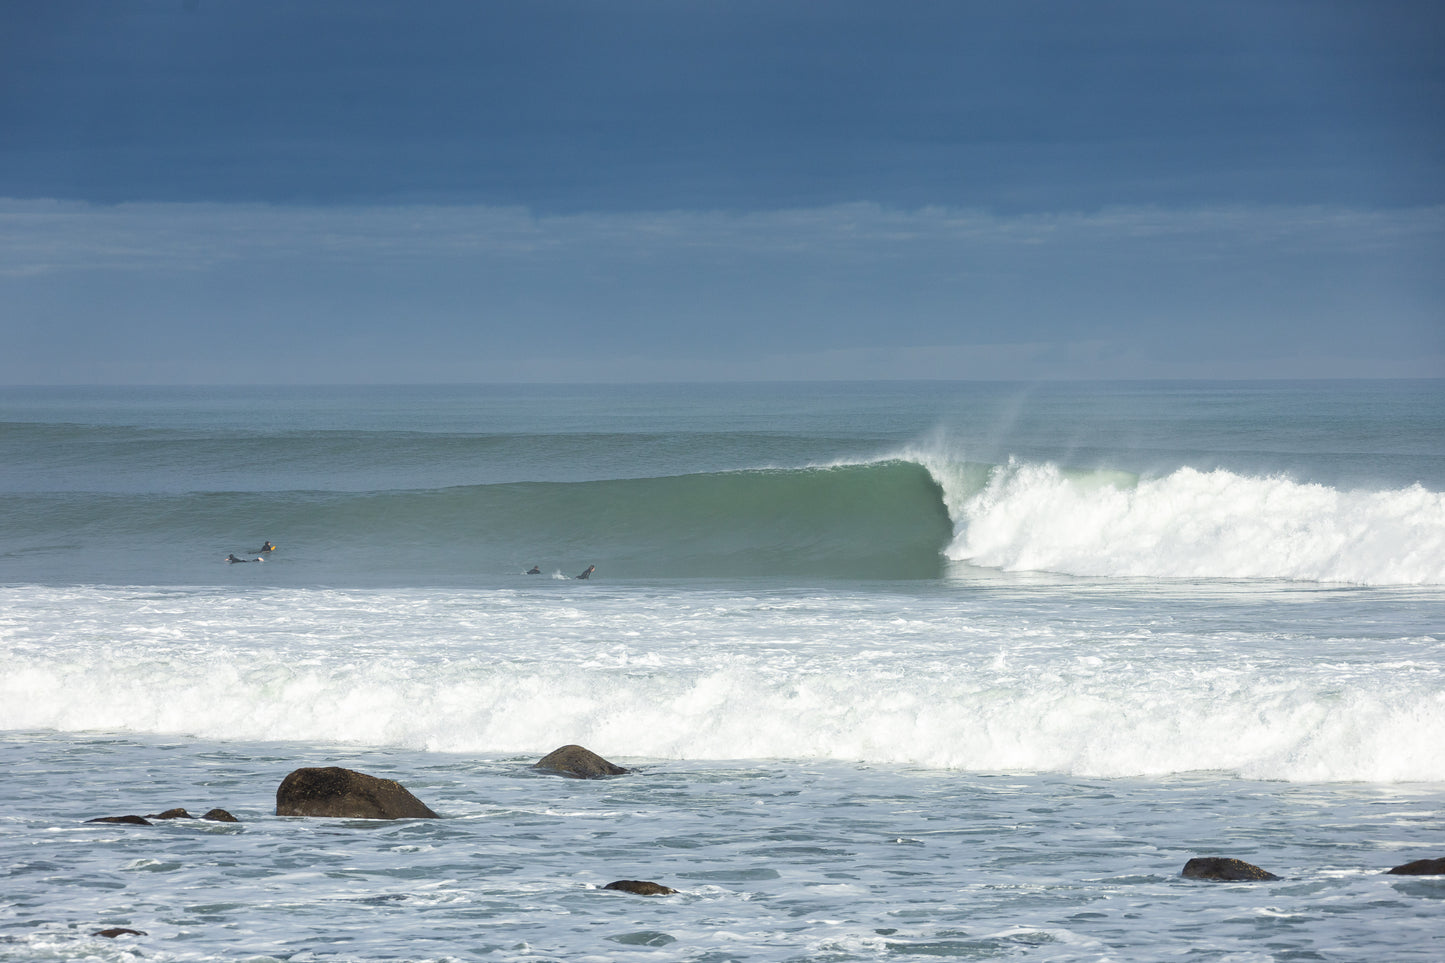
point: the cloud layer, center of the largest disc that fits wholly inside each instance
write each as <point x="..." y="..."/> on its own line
<point x="238" y="293"/>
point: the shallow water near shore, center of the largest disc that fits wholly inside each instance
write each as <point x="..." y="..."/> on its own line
<point x="906" y="671"/>
<point x="778" y="860"/>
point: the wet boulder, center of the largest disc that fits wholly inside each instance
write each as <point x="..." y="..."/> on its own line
<point x="1222" y="867"/>
<point x="578" y="763"/>
<point x="641" y="887"/>
<point x="338" y="793"/>
<point x="220" y="816"/>
<point x="131" y="820"/>
<point x="171" y="814"/>
<point x="115" y="931"/>
<point x="1420" y="867"/>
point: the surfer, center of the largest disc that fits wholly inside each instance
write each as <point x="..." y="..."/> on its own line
<point x="588" y="573"/>
<point x="268" y="547"/>
<point x="232" y="558"/>
<point x="534" y="570"/>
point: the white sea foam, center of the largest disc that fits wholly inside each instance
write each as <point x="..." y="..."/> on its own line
<point x="875" y="679"/>
<point x="1195" y="524"/>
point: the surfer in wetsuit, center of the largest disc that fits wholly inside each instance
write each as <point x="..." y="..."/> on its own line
<point x="232" y="558"/>
<point x="588" y="573"/>
<point x="268" y="547"/>
<point x="534" y="570"/>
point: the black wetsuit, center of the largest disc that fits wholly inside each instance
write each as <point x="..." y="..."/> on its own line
<point x="588" y="573"/>
<point x="534" y="570"/>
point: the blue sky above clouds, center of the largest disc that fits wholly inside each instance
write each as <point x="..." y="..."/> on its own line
<point x="354" y="191"/>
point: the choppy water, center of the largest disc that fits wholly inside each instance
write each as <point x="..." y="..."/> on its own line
<point x="909" y="671"/>
<point x="774" y="860"/>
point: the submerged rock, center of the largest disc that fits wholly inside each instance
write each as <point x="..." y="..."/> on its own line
<point x="338" y="793"/>
<point x="115" y="931"/>
<point x="642" y="887"/>
<point x="1222" y="867"/>
<point x="1420" y="867"/>
<point x="579" y="763"/>
<point x="215" y="815"/>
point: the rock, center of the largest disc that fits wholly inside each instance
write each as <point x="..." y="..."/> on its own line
<point x="115" y="931"/>
<point x="1420" y="867"/>
<point x="346" y="794"/>
<point x="216" y="815"/>
<point x="578" y="763"/>
<point x="642" y="887"/>
<point x="1221" y="867"/>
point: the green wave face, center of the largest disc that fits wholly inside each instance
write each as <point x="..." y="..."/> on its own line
<point x="868" y="521"/>
<point x="883" y="520"/>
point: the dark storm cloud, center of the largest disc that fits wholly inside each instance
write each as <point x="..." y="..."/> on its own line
<point x="578" y="190"/>
<point x="651" y="105"/>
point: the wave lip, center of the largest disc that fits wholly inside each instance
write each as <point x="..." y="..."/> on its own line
<point x="1197" y="524"/>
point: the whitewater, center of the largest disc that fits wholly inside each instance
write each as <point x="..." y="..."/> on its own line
<point x="1196" y="524"/>
<point x="904" y="671"/>
<point x="988" y="683"/>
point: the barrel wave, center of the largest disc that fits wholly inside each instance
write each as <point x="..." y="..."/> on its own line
<point x="916" y="515"/>
<point x="884" y="520"/>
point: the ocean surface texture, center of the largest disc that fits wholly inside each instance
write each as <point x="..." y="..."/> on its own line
<point x="905" y="672"/>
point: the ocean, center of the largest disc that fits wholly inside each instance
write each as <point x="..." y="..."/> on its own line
<point x="904" y="670"/>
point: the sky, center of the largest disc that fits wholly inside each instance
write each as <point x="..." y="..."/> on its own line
<point x="354" y="191"/>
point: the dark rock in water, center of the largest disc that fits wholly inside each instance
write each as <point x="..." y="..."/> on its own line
<point x="1221" y="867"/>
<point x="643" y="938"/>
<point x="115" y="931"/>
<point x="346" y="794"/>
<point x="642" y="887"/>
<point x="1420" y="867"/>
<point x="217" y="815"/>
<point x="578" y="763"/>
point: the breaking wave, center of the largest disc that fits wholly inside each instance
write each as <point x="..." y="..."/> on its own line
<point x="1198" y="524"/>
